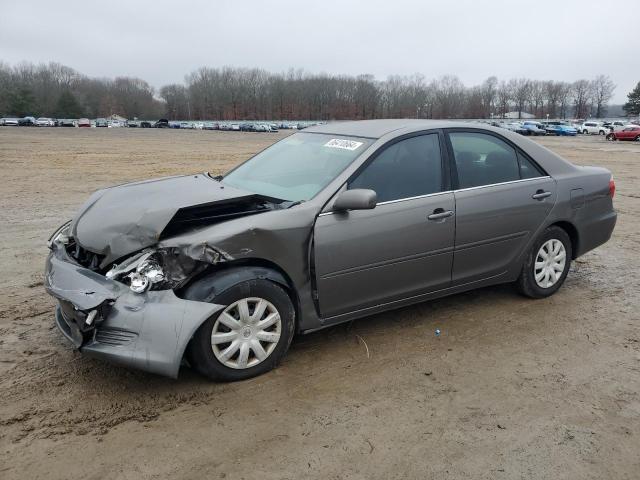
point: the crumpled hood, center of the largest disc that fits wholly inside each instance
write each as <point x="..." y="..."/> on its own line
<point x="120" y="220"/>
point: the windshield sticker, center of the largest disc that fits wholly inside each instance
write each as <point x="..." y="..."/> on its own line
<point x="344" y="144"/>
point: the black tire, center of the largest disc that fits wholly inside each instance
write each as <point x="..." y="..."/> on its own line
<point x="586" y="132"/>
<point x="526" y="283"/>
<point x="200" y="353"/>
<point x="611" y="137"/>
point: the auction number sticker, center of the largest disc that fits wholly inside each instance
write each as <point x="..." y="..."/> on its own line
<point x="342" y="143"/>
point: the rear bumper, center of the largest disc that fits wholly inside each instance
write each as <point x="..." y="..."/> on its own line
<point x="596" y="232"/>
<point x="148" y="331"/>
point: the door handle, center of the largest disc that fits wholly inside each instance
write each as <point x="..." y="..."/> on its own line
<point x="440" y="213"/>
<point x="540" y="195"/>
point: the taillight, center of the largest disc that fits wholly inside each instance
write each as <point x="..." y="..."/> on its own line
<point x="612" y="187"/>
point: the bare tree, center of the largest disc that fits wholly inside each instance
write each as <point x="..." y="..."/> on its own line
<point x="581" y="92"/>
<point x="504" y="96"/>
<point x="249" y="93"/>
<point x="564" y="91"/>
<point x="602" y="88"/>
<point x="489" y="92"/>
<point x="521" y="88"/>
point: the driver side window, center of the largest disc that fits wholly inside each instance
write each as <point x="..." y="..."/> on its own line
<point x="408" y="168"/>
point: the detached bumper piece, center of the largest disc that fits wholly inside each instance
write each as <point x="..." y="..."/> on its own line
<point x="104" y="319"/>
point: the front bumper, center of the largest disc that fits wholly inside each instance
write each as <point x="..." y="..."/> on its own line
<point x="148" y="331"/>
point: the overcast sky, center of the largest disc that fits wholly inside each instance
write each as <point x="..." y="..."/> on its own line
<point x="161" y="41"/>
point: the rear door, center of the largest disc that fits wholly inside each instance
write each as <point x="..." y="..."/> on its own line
<point x="401" y="248"/>
<point x="502" y="198"/>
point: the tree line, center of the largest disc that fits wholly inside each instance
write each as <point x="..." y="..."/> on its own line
<point x="228" y="93"/>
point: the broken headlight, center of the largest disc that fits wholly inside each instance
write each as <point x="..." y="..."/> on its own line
<point x="155" y="270"/>
<point x="61" y="235"/>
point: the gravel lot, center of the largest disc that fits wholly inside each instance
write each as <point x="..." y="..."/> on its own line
<point x="512" y="388"/>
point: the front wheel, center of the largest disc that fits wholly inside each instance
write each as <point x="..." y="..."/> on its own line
<point x="249" y="337"/>
<point x="611" y="137"/>
<point x="547" y="264"/>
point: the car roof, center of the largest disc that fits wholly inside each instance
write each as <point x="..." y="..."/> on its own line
<point x="380" y="128"/>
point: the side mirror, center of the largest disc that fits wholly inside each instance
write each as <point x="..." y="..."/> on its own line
<point x="357" y="199"/>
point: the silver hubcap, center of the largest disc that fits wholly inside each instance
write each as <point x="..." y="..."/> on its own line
<point x="550" y="263"/>
<point x="246" y="333"/>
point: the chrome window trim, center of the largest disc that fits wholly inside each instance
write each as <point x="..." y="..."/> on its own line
<point x="452" y="191"/>
<point x="502" y="183"/>
<point x="406" y="199"/>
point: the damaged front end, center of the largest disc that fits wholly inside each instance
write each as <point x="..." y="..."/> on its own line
<point x="129" y="315"/>
<point x="120" y="267"/>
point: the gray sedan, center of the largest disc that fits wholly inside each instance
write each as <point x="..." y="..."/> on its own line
<point x="331" y="224"/>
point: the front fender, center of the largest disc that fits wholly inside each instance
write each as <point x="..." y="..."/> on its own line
<point x="208" y="287"/>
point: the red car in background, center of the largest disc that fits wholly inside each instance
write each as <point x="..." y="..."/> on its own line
<point x="630" y="132"/>
<point x="84" y="122"/>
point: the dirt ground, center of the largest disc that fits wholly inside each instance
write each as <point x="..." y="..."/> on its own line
<point x="512" y="388"/>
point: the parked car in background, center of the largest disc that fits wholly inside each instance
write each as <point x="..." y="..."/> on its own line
<point x="576" y="124"/>
<point x="262" y="127"/>
<point x="331" y="224"/>
<point x="515" y="127"/>
<point x="534" y="128"/>
<point x="68" y="122"/>
<point x="617" y="125"/>
<point x="594" y="128"/>
<point x="27" y="122"/>
<point x="274" y="127"/>
<point x="11" y="122"/>
<point x="560" y="129"/>
<point x="145" y="124"/>
<point x="132" y="124"/>
<point x="630" y="132"/>
<point x="115" y="124"/>
<point x="225" y="126"/>
<point x="162" y="123"/>
<point x="211" y="126"/>
<point x="235" y="127"/>
<point x="102" y="123"/>
<point x="84" y="122"/>
<point x="45" y="122"/>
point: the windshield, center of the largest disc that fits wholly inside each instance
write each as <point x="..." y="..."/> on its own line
<point x="297" y="167"/>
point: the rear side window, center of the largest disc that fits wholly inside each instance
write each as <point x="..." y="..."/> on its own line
<point x="483" y="159"/>
<point x="527" y="168"/>
<point x="408" y="168"/>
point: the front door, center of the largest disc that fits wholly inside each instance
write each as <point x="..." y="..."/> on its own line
<point x="401" y="248"/>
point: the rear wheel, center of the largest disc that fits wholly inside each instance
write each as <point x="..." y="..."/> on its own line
<point x="638" y="138"/>
<point x="547" y="264"/>
<point x="249" y="337"/>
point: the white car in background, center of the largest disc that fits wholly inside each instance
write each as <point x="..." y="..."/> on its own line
<point x="10" y="122"/>
<point x="235" y="127"/>
<point x="593" y="128"/>
<point x="618" y="125"/>
<point x="44" y="122"/>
